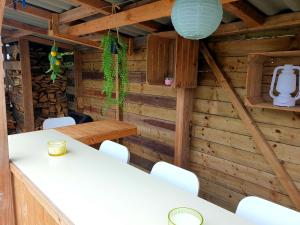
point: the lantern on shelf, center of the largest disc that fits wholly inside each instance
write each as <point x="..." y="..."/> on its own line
<point x="196" y="19"/>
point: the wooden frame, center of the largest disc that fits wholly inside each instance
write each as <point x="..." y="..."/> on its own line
<point x="254" y="93"/>
<point x="170" y="54"/>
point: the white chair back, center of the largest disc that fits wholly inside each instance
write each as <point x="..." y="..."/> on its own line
<point x="262" y="212"/>
<point x="115" y="150"/>
<point x="58" y="122"/>
<point x="175" y="175"/>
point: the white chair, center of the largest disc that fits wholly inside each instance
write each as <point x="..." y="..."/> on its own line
<point x="58" y="122"/>
<point x="262" y="212"/>
<point x="115" y="150"/>
<point x="175" y="175"/>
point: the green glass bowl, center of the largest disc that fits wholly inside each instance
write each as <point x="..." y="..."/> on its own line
<point x="179" y="216"/>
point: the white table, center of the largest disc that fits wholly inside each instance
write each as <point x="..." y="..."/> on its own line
<point x="90" y="188"/>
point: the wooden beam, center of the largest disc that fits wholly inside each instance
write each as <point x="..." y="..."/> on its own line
<point x="16" y="35"/>
<point x="251" y="126"/>
<point x="147" y="12"/>
<point x="77" y="14"/>
<point x="6" y="33"/>
<point x="55" y="32"/>
<point x="151" y="11"/>
<point x="24" y="26"/>
<point x="184" y="109"/>
<point x="6" y="197"/>
<point x="272" y="22"/>
<point x="89" y="8"/>
<point x="30" y="10"/>
<point x="245" y="11"/>
<point x="48" y="42"/>
<point x="26" y="85"/>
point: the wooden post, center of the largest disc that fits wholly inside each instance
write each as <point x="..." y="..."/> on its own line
<point x="184" y="108"/>
<point x="250" y="124"/>
<point x="26" y="85"/>
<point x="6" y="197"/>
<point x="79" y="105"/>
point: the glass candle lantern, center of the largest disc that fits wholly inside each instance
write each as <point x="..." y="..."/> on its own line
<point x="57" y="148"/>
<point x="185" y="216"/>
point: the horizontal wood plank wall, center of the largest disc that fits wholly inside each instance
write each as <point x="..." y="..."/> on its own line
<point x="151" y="107"/>
<point x="223" y="153"/>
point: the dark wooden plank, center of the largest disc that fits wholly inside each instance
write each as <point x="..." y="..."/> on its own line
<point x="26" y="85"/>
<point x="151" y="144"/>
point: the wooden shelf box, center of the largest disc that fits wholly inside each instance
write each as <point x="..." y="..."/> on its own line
<point x="170" y="55"/>
<point x="259" y="76"/>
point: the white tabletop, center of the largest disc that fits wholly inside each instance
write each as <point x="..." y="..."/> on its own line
<point x="92" y="189"/>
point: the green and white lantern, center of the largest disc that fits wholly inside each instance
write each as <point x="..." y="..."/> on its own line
<point x="196" y="19"/>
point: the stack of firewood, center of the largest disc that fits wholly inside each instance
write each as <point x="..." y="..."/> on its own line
<point x="49" y="98"/>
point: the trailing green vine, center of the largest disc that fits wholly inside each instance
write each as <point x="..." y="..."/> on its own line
<point x="57" y="64"/>
<point x="111" y="44"/>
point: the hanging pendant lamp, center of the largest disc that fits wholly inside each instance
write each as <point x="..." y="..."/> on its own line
<point x="196" y="19"/>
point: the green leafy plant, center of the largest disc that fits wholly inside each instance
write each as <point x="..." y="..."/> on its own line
<point x="57" y="65"/>
<point x="111" y="45"/>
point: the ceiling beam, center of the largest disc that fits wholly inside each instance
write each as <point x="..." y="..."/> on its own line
<point x="143" y="13"/>
<point x="246" y="12"/>
<point x="16" y="35"/>
<point x="92" y="7"/>
<point x="6" y="33"/>
<point x="23" y="26"/>
<point x="151" y="11"/>
<point x="31" y="10"/>
<point x="54" y="31"/>
<point x="272" y="22"/>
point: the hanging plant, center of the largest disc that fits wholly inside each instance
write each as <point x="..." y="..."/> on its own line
<point x="113" y="45"/>
<point x="57" y="64"/>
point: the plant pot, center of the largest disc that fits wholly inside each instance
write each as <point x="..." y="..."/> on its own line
<point x="114" y="48"/>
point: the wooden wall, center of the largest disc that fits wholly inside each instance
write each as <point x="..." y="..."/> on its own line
<point x="223" y="153"/>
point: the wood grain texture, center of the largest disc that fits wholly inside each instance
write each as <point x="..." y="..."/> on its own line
<point x="32" y="206"/>
<point x="96" y="132"/>
<point x="183" y="122"/>
<point x="6" y="198"/>
<point x="26" y="85"/>
<point x="262" y="144"/>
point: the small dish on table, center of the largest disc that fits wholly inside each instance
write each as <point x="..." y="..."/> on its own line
<point x="57" y="148"/>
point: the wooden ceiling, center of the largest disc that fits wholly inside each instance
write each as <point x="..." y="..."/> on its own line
<point x="94" y="17"/>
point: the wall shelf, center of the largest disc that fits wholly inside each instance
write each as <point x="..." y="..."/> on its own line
<point x="259" y="76"/>
<point x="170" y="55"/>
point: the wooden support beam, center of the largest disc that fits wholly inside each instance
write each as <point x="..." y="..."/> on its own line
<point x="26" y="85"/>
<point x="48" y="42"/>
<point x="55" y="32"/>
<point x="6" y="33"/>
<point x="250" y="124"/>
<point x="23" y="26"/>
<point x="77" y="14"/>
<point x="16" y="35"/>
<point x="245" y="11"/>
<point x="184" y="109"/>
<point x="6" y="196"/>
<point x="30" y="10"/>
<point x="91" y="7"/>
<point x="151" y="11"/>
<point x="271" y="23"/>
<point x="147" y="12"/>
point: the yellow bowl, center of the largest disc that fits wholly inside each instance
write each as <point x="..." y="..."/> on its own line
<point x="57" y="148"/>
<point x="184" y="216"/>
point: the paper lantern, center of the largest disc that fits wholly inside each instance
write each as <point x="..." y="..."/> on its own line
<point x="196" y="19"/>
